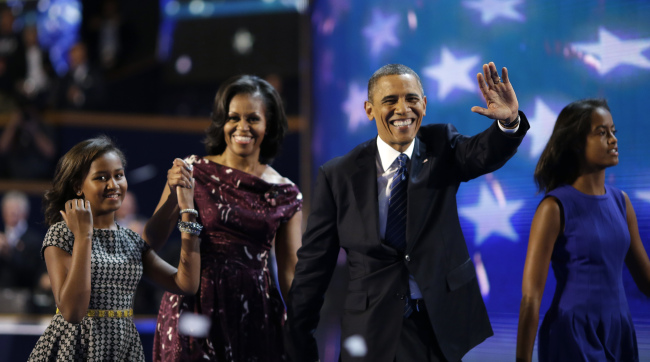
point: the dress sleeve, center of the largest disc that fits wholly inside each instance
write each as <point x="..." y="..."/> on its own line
<point x="144" y="246"/>
<point x="141" y="245"/>
<point x="288" y="199"/>
<point x="60" y="236"/>
<point x="192" y="159"/>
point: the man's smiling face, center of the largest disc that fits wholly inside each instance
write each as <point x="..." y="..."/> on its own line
<point x="397" y="107"/>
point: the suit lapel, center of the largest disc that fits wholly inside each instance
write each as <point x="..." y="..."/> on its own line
<point x="364" y="187"/>
<point x="418" y="195"/>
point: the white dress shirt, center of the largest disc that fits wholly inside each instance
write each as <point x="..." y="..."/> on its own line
<point x="386" y="168"/>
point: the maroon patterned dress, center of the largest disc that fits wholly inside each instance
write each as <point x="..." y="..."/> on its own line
<point x="240" y="214"/>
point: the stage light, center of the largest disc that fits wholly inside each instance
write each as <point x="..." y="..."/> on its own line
<point x="243" y="41"/>
<point x="183" y="64"/>
<point x="172" y="8"/>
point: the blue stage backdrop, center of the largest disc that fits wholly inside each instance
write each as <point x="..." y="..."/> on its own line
<point x="555" y="51"/>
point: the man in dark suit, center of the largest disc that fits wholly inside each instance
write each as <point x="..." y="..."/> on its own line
<point x="83" y="86"/>
<point x="20" y="258"/>
<point x="412" y="292"/>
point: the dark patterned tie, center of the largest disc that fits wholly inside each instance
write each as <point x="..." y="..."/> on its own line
<point x="396" y="219"/>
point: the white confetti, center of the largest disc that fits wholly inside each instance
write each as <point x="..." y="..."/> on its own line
<point x="195" y="325"/>
<point x="356" y="346"/>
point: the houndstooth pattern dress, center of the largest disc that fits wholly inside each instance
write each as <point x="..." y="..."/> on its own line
<point x="116" y="269"/>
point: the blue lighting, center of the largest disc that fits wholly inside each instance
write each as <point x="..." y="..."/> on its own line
<point x="58" y="23"/>
<point x="556" y="52"/>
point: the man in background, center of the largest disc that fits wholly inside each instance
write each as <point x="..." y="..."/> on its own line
<point x="20" y="259"/>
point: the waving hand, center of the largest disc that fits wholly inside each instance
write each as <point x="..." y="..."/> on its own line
<point x="498" y="93"/>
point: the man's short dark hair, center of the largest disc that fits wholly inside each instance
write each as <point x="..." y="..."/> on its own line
<point x="390" y="69"/>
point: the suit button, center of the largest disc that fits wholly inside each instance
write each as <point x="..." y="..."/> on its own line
<point x="407" y="257"/>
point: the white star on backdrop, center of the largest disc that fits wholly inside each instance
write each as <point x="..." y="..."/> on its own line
<point x="452" y="73"/>
<point x="541" y="127"/>
<point x="381" y="31"/>
<point x="610" y="52"/>
<point x="353" y="106"/>
<point x="492" y="9"/>
<point x="643" y="195"/>
<point x="492" y="215"/>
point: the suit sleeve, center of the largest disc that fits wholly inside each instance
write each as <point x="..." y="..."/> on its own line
<point x="316" y="262"/>
<point x="485" y="152"/>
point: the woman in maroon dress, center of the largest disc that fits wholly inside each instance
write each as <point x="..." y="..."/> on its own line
<point x="246" y="208"/>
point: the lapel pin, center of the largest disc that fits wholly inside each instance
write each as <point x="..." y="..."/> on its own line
<point x="425" y="160"/>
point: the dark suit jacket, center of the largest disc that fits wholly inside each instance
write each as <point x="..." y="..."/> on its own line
<point x="344" y="214"/>
<point x="92" y="86"/>
<point x="23" y="267"/>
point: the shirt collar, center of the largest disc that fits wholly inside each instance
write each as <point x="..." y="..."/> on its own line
<point x="388" y="154"/>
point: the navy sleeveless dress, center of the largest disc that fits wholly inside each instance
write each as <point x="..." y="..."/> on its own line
<point x="589" y="318"/>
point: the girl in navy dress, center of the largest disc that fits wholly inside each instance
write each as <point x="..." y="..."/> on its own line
<point x="587" y="231"/>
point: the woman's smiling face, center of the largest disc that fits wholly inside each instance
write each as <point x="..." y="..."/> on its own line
<point x="246" y="125"/>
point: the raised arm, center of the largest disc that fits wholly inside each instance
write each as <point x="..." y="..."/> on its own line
<point x="637" y="257"/>
<point x="544" y="230"/>
<point x="70" y="274"/>
<point x="499" y="95"/>
<point x="161" y="224"/>
<point x="287" y="241"/>
<point x="186" y="278"/>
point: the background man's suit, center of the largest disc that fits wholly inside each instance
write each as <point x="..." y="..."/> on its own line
<point x="345" y="214"/>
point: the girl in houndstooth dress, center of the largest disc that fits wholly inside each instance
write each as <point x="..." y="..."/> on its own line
<point x="95" y="265"/>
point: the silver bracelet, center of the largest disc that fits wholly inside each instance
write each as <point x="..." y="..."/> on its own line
<point x="190" y="211"/>
<point x="190" y="227"/>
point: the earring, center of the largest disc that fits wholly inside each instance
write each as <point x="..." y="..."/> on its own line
<point x="79" y="193"/>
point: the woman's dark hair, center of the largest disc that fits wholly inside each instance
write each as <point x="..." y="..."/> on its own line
<point x="560" y="161"/>
<point x="71" y="170"/>
<point x="276" y="120"/>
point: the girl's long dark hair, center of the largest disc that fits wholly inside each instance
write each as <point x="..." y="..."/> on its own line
<point x="71" y="170"/>
<point x="560" y="161"/>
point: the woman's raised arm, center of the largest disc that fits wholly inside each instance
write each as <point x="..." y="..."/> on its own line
<point x="161" y="224"/>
